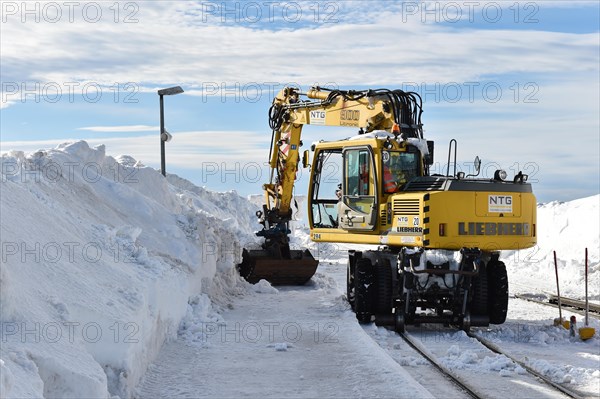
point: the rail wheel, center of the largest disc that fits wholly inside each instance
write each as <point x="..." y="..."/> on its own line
<point x="465" y="324"/>
<point x="498" y="292"/>
<point x="399" y="321"/>
<point x="363" y="290"/>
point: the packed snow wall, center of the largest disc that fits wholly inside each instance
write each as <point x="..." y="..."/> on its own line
<point x="99" y="259"/>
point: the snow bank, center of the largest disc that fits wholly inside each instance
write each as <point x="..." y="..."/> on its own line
<point x="567" y="228"/>
<point x="99" y="259"/>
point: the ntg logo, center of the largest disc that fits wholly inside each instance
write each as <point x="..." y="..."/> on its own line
<point x="500" y="203"/>
<point x="500" y="200"/>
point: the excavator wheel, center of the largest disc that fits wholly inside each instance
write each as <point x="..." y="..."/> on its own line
<point x="479" y="300"/>
<point x="363" y="289"/>
<point x="350" y="285"/>
<point x="384" y="288"/>
<point x="259" y="264"/>
<point x="498" y="292"/>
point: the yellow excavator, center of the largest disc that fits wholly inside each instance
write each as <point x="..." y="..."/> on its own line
<point x="439" y="237"/>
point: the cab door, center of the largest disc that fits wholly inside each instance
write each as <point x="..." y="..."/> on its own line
<point x="358" y="207"/>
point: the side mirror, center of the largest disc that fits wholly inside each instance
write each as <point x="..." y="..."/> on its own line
<point x="429" y="158"/>
<point x="477" y="165"/>
<point x="305" y="159"/>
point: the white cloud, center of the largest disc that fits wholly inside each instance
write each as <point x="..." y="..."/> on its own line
<point x="374" y="44"/>
<point x="130" y="128"/>
<point x="169" y="45"/>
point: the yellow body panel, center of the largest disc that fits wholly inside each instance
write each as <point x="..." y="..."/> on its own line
<point x="457" y="211"/>
<point x="472" y="221"/>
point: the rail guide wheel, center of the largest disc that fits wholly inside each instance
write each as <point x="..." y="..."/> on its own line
<point x="399" y="322"/>
<point x="465" y="325"/>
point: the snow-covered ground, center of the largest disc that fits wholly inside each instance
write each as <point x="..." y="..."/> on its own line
<point x="300" y="342"/>
<point x="117" y="282"/>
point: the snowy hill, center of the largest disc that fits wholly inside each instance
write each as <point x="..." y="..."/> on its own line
<point x="103" y="260"/>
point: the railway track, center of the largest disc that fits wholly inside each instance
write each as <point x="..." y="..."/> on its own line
<point x="494" y="348"/>
<point x="454" y="378"/>
<point x="468" y="387"/>
<point x="573" y="305"/>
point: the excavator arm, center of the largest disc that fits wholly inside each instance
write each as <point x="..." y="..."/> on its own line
<point x="395" y="111"/>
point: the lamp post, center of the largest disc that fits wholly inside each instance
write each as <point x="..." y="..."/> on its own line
<point x="164" y="135"/>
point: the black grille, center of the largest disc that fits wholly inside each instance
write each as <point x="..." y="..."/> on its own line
<point x="383" y="216"/>
<point x="406" y="207"/>
<point x="425" y="184"/>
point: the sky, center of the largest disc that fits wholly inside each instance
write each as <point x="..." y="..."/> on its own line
<point x="514" y="82"/>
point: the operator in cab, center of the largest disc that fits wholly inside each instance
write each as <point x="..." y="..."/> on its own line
<point x="398" y="169"/>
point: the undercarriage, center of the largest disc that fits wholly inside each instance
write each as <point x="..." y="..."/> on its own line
<point x="403" y="286"/>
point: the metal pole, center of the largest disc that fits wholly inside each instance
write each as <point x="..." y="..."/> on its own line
<point x="587" y="303"/>
<point x="558" y="290"/>
<point x="162" y="142"/>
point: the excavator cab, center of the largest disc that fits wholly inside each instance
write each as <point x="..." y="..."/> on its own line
<point x="370" y="170"/>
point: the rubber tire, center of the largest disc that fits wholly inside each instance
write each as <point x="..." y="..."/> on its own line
<point x="363" y="290"/>
<point x="383" y="304"/>
<point x="480" y="292"/>
<point x="350" y="287"/>
<point x="498" y="292"/>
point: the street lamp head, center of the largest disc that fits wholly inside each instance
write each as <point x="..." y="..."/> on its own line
<point x="170" y="91"/>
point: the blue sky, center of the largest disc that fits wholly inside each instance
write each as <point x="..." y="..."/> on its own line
<point x="516" y="83"/>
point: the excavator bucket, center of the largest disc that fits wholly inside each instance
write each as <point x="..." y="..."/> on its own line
<point x="261" y="264"/>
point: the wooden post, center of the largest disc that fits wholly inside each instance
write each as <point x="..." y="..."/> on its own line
<point x="587" y="303"/>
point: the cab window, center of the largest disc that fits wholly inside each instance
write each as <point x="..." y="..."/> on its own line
<point x="326" y="189"/>
<point x="358" y="172"/>
<point x="398" y="168"/>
